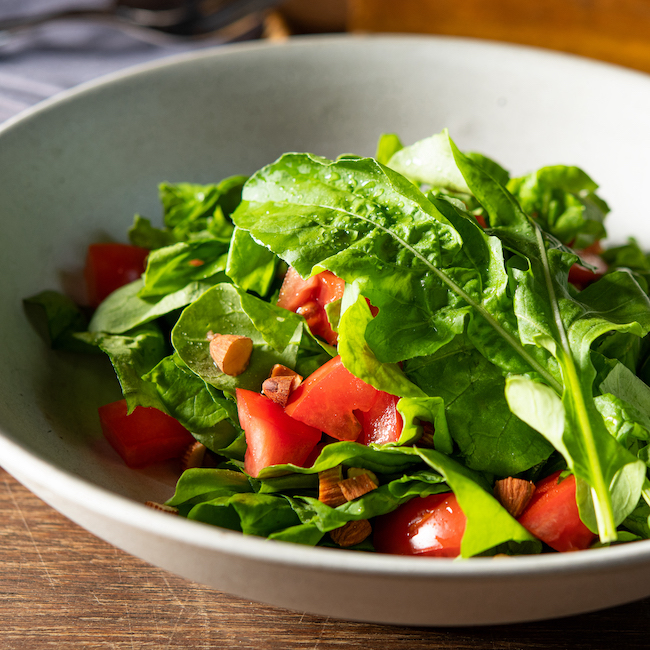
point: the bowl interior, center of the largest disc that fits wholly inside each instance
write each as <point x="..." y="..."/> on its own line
<point x="77" y="169"/>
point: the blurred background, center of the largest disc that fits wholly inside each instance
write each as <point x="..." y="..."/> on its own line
<point x="49" y="45"/>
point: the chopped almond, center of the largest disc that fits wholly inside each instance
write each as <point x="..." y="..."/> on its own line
<point x="278" y="389"/>
<point x="231" y="353"/>
<point x="196" y="262"/>
<point x="329" y="491"/>
<point x="353" y="532"/>
<point x="279" y="370"/>
<point x="193" y="456"/>
<point x="162" y="507"/>
<point x="357" y="486"/>
<point x="514" y="494"/>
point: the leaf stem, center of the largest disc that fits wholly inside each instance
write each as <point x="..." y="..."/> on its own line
<point x="599" y="489"/>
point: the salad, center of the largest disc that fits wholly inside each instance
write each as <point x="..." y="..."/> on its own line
<point x="414" y="353"/>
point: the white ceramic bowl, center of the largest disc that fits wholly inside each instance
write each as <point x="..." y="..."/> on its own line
<point x="76" y="169"/>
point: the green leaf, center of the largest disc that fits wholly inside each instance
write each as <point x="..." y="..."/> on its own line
<point x="387" y="460"/>
<point x="387" y="146"/>
<point x="190" y="209"/>
<point x="202" y="484"/>
<point x="487" y="434"/>
<point x="357" y="356"/>
<point x="172" y="268"/>
<point x="563" y="200"/>
<point x="276" y="334"/>
<point x="415" y="410"/>
<point x="565" y="327"/>
<point x="199" y="407"/>
<point x="250" y="265"/>
<point x="143" y="234"/>
<point x="124" y="309"/>
<point x="133" y="354"/>
<point x="57" y="319"/>
<point x="488" y="523"/>
<point x="430" y="161"/>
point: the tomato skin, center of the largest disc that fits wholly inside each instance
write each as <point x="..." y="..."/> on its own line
<point x="581" y="277"/>
<point x="146" y="436"/>
<point x="272" y="437"/>
<point x="552" y="515"/>
<point x="111" y="266"/>
<point x="431" y="526"/>
<point x="382" y="423"/>
<point x="328" y="398"/>
<point x="309" y="297"/>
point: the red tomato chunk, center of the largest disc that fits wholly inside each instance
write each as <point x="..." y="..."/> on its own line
<point x="272" y="437"/>
<point x="581" y="277"/>
<point x="552" y="515"/>
<point x="111" y="266"/>
<point x="144" y="437"/>
<point x="309" y="297"/>
<point x="430" y="526"/>
<point x="382" y="423"/>
<point x="328" y="398"/>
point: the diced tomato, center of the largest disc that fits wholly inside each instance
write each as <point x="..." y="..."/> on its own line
<point x="581" y="277"/>
<point x="431" y="526"/>
<point x="110" y="266"/>
<point x="309" y="297"/>
<point x="144" y="437"/>
<point x="328" y="398"/>
<point x="481" y="220"/>
<point x="272" y="437"/>
<point x="382" y="422"/>
<point x="552" y="515"/>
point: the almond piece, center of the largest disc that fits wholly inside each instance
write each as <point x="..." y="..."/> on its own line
<point x="193" y="456"/>
<point x="231" y="353"/>
<point x="353" y="532"/>
<point x="514" y="494"/>
<point x="278" y="389"/>
<point x="162" y="507"/>
<point x="329" y="491"/>
<point x="279" y="370"/>
<point x="357" y="486"/>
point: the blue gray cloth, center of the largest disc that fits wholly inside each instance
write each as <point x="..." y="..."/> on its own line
<point x="38" y="63"/>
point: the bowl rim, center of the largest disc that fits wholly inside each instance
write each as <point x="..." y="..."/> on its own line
<point x="74" y="489"/>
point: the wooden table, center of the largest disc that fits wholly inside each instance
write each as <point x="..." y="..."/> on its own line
<point x="61" y="587"/>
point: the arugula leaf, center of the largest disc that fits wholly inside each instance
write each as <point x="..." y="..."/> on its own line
<point x="190" y="209"/>
<point x="488" y="436"/>
<point x="368" y="224"/>
<point x="563" y="200"/>
<point x="565" y="327"/>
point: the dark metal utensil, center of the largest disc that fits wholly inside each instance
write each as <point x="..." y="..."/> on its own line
<point x="159" y="22"/>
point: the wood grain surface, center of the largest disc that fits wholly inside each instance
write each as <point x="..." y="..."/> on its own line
<point x="61" y="587"/>
<point x="617" y="31"/>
